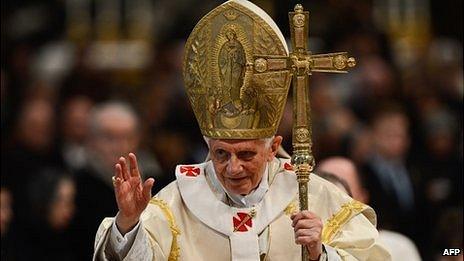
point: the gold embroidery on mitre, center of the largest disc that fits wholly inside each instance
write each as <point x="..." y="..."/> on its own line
<point x="234" y="94"/>
<point x="333" y="224"/>
<point x="175" y="249"/>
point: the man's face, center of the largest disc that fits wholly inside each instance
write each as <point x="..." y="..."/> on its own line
<point x="75" y="119"/>
<point x="240" y="164"/>
<point x="117" y="135"/>
<point x="391" y="136"/>
<point x="346" y="170"/>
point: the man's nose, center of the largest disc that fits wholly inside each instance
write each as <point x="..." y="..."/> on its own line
<point x="235" y="166"/>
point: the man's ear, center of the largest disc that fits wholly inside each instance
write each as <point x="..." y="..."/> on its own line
<point x="274" y="147"/>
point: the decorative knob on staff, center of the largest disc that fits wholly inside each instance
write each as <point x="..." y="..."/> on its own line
<point x="303" y="64"/>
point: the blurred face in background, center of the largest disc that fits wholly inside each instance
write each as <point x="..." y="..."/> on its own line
<point x="345" y="170"/>
<point x="115" y="134"/>
<point x="62" y="207"/>
<point x="76" y="119"/>
<point x="35" y="124"/>
<point x="5" y="210"/>
<point x="390" y="136"/>
<point x="377" y="76"/>
<point x="361" y="145"/>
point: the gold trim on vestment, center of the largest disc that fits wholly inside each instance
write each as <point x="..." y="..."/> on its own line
<point x="333" y="224"/>
<point x="175" y="249"/>
<point x="292" y="208"/>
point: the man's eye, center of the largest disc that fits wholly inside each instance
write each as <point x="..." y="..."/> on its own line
<point x="246" y="155"/>
<point x="220" y="154"/>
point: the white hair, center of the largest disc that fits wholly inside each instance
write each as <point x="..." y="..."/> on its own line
<point x="122" y="109"/>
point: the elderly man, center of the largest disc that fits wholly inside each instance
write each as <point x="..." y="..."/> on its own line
<point x="114" y="130"/>
<point x="242" y="203"/>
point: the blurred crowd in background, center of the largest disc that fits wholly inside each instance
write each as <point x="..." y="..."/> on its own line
<point x="84" y="82"/>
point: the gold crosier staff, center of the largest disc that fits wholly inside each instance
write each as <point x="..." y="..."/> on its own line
<point x="303" y="64"/>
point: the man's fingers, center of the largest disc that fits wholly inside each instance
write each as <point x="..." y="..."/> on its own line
<point x="304" y="240"/>
<point x="308" y="240"/>
<point x="118" y="171"/>
<point x="302" y="214"/>
<point x="117" y="178"/>
<point x="147" y="185"/>
<point x="302" y="224"/>
<point x="308" y="229"/>
<point x="307" y="223"/>
<point x="305" y="214"/>
<point x="134" y="168"/>
<point x="303" y="232"/>
<point x="312" y="233"/>
<point x="125" y="171"/>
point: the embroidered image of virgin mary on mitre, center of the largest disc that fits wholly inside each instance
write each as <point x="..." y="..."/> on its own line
<point x="236" y="73"/>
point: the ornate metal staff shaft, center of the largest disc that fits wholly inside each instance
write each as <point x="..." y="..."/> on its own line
<point x="302" y="159"/>
<point x="303" y="64"/>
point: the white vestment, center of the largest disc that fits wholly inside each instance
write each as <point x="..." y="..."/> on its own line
<point x="191" y="219"/>
<point x="399" y="246"/>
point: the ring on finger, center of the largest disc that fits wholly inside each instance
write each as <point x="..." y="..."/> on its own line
<point x="115" y="180"/>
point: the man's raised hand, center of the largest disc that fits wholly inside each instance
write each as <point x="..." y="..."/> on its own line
<point x="132" y="196"/>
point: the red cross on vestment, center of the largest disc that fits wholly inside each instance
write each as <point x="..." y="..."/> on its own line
<point x="190" y="171"/>
<point x="242" y="222"/>
<point x="288" y="166"/>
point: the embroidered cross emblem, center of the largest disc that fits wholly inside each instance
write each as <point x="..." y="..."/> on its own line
<point x="288" y="166"/>
<point x="190" y="171"/>
<point x="243" y="221"/>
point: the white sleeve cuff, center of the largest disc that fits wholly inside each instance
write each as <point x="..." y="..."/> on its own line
<point x="122" y="244"/>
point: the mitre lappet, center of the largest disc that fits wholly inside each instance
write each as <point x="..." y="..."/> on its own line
<point x="236" y="73"/>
